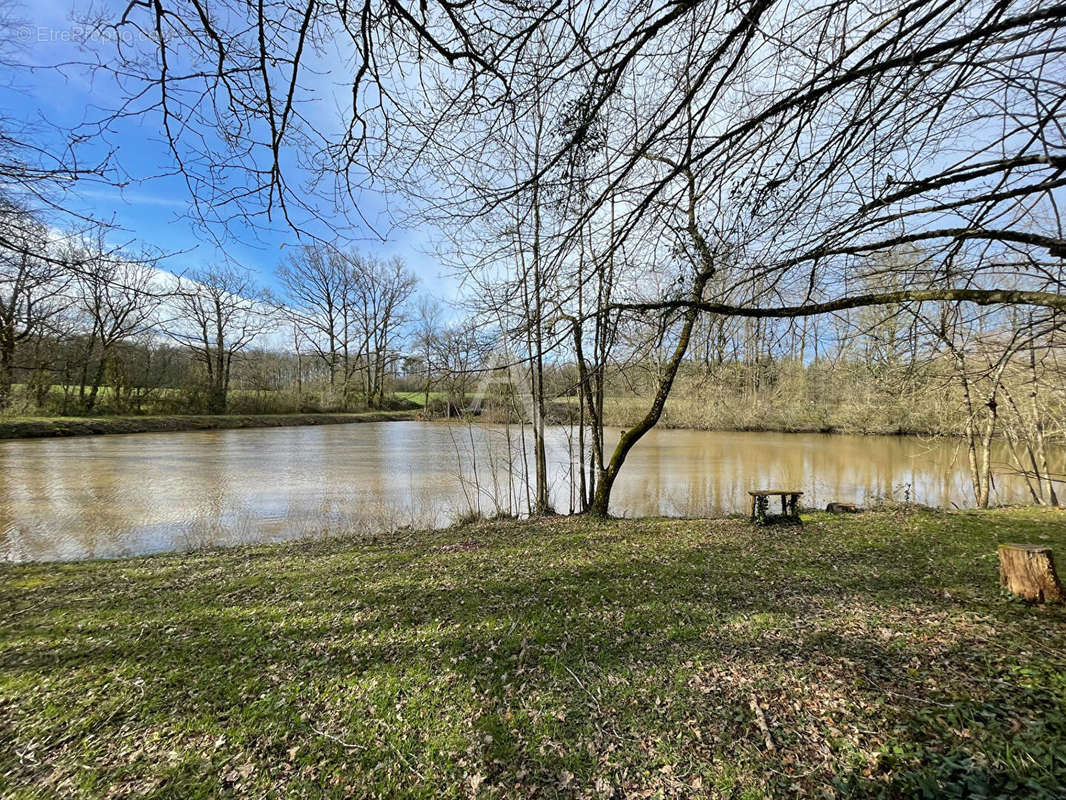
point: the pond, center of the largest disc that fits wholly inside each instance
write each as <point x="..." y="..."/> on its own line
<point x="111" y="496"/>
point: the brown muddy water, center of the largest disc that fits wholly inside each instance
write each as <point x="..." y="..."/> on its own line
<point x="112" y="496"/>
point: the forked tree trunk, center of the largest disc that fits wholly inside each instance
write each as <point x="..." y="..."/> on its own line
<point x="1028" y="570"/>
<point x="606" y="474"/>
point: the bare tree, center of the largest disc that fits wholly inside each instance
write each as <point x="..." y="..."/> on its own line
<point x="218" y="313"/>
<point x="118" y="298"/>
<point x="427" y="333"/>
<point x="29" y="285"/>
<point x="380" y="291"/>
<point x="459" y="353"/>
<point x="1032" y="419"/>
<point x="318" y="294"/>
<point x="138" y="369"/>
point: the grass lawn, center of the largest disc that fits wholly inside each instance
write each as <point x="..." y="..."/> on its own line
<point x="34" y="427"/>
<point x="863" y="655"/>
<point x="419" y="397"/>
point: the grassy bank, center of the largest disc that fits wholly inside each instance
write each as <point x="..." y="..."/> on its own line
<point x="693" y="412"/>
<point x="34" y="427"/>
<point x="865" y="655"/>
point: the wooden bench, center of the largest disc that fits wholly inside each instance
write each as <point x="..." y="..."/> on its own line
<point x="760" y="504"/>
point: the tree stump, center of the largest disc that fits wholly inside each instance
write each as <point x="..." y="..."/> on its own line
<point x="1028" y="570"/>
<point x="842" y="508"/>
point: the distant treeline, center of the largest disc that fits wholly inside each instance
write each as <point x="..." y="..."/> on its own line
<point x="86" y="329"/>
<point x="152" y="377"/>
<point x="874" y="381"/>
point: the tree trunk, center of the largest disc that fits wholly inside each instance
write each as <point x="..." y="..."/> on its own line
<point x="7" y="357"/>
<point x="606" y="475"/>
<point x="1038" y="432"/>
<point x="542" y="503"/>
<point x="216" y="400"/>
<point x="42" y="384"/>
<point x="605" y="478"/>
<point x="98" y="378"/>
<point x="971" y="439"/>
<point x="1028" y="570"/>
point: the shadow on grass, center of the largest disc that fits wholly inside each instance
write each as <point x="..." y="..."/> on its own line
<point x="624" y="657"/>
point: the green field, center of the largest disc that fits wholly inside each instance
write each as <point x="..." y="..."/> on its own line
<point x="862" y="656"/>
<point x="419" y="397"/>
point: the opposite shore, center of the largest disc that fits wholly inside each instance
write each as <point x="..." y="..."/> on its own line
<point x="40" y="427"/>
<point x="32" y="427"/>
<point x="44" y="427"/>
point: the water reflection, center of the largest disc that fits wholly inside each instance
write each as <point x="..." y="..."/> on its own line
<point x="113" y="496"/>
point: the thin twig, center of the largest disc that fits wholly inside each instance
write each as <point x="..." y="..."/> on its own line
<point x="341" y="742"/>
<point x="760" y="720"/>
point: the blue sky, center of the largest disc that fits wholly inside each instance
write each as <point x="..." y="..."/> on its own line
<point x="149" y="210"/>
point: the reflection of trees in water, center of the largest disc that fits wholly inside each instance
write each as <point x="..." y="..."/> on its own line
<point x="713" y="471"/>
<point x="113" y="496"/>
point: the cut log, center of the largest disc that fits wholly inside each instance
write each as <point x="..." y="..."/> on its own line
<point x="1028" y="570"/>
<point x="842" y="508"/>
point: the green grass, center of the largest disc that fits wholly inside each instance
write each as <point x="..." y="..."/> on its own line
<point x="561" y="658"/>
<point x="419" y="397"/>
<point x="33" y="427"/>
